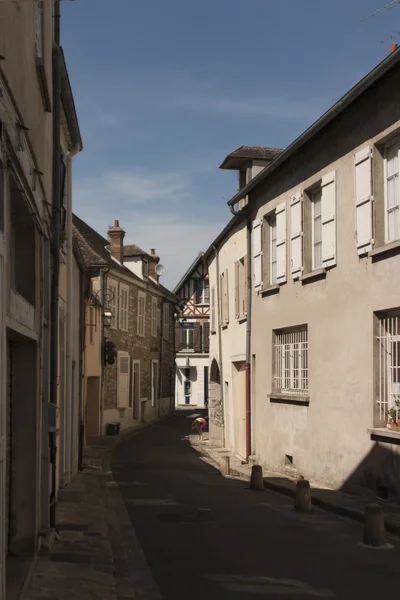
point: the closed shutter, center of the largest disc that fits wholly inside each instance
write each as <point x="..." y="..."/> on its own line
<point x="123" y="307"/>
<point x="112" y="300"/>
<point x="206" y="336"/>
<point x="158" y="321"/>
<point x="245" y="286"/>
<point x="237" y="283"/>
<point x="296" y="235"/>
<point x="166" y="322"/>
<point x="197" y="337"/>
<point x="226" y="297"/>
<point x="257" y="254"/>
<point x="213" y="308"/>
<point x="363" y="176"/>
<point x="123" y="379"/>
<point x="281" y="243"/>
<point x="177" y="337"/>
<point x="153" y="316"/>
<point x="328" y="210"/>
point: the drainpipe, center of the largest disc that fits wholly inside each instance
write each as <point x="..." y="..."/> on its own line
<point x="248" y="333"/>
<point x="55" y="246"/>
<point x="71" y="316"/>
<point x="221" y="370"/>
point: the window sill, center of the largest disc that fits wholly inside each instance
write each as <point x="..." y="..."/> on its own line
<point x="391" y="248"/>
<point x="186" y="351"/>
<point x="316" y="274"/>
<point x="213" y="332"/>
<point x="269" y="291"/>
<point x="384" y="435"/>
<point x="224" y="326"/>
<point x="277" y="398"/>
<point x="241" y="319"/>
<point x="202" y="304"/>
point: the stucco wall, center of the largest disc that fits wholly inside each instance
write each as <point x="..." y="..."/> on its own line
<point x="197" y="364"/>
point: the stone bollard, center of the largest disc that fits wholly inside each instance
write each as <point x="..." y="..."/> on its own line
<point x="225" y="466"/>
<point x="256" y="479"/>
<point x="302" y="500"/>
<point x="374" y="526"/>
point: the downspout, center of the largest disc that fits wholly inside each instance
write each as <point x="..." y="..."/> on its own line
<point x="55" y="247"/>
<point x="248" y="334"/>
<point x="221" y="370"/>
<point x="70" y="296"/>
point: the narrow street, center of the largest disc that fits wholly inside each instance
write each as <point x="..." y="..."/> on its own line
<point x="209" y="537"/>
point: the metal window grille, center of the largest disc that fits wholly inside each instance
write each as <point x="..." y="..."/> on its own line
<point x="389" y="363"/>
<point x="291" y="362"/>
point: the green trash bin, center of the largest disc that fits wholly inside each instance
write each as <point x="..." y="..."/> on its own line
<point x="113" y="428"/>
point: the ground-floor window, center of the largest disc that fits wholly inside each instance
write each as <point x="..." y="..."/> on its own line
<point x="187" y="386"/>
<point x="291" y="360"/>
<point x="388" y="364"/>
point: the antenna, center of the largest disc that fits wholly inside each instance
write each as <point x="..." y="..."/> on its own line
<point x="159" y="270"/>
<point x="387" y="6"/>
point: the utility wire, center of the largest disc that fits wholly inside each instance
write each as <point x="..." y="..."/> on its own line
<point x="387" y="6"/>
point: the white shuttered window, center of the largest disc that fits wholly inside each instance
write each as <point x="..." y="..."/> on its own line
<point x="154" y="317"/>
<point x="112" y="300"/>
<point x="213" y="308"/>
<point x="281" y="243"/>
<point x="296" y="235"/>
<point x="328" y="211"/>
<point x="141" y="314"/>
<point x="272" y="250"/>
<point x="124" y="362"/>
<point x="392" y="192"/>
<point x="123" y="306"/>
<point x="257" y="254"/>
<point x="363" y="181"/>
<point x="166" y="323"/>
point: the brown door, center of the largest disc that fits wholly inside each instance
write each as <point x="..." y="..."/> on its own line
<point x="92" y="411"/>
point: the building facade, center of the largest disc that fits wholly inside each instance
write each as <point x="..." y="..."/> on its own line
<point x="133" y="382"/>
<point x="325" y="303"/>
<point x="192" y="333"/>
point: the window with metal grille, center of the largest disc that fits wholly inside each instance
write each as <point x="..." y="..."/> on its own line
<point x="388" y="363"/>
<point x="291" y="361"/>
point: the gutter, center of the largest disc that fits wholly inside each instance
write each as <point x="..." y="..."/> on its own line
<point x="322" y="122"/>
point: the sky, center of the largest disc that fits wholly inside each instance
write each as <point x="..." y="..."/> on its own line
<point x="165" y="89"/>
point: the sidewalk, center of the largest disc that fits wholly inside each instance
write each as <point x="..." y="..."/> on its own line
<point x="97" y="555"/>
<point x="342" y="503"/>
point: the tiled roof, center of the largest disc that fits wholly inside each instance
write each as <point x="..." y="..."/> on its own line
<point x="133" y="250"/>
<point x="238" y="156"/>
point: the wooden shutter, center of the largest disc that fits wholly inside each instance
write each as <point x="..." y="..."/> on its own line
<point x="123" y="379"/>
<point x="281" y="243"/>
<point x="177" y="337"/>
<point x="237" y="284"/>
<point x="213" y="308"/>
<point x="257" y="254"/>
<point x="226" y="297"/>
<point x="166" y="321"/>
<point x="206" y="336"/>
<point x="296" y="235"/>
<point x="328" y="210"/>
<point x="112" y="300"/>
<point x="197" y="337"/>
<point x="158" y="320"/>
<point x="363" y="177"/>
<point x="245" y="286"/>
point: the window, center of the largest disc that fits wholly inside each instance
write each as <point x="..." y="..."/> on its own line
<point x="213" y="325"/>
<point x="187" y="336"/>
<point x="39" y="29"/>
<point x="112" y="300"/>
<point x="241" y="287"/>
<point x="291" y="361"/>
<point x="272" y="225"/>
<point x="317" y="228"/>
<point x="154" y="317"/>
<point x="123" y="307"/>
<point x="388" y="363"/>
<point x="202" y="292"/>
<point x="392" y="192"/>
<point x="124" y="363"/>
<point x="224" y="298"/>
<point x="145" y="269"/>
<point x="187" y="386"/>
<point x="154" y="382"/>
<point x="141" y="314"/>
<point x="166" y="321"/>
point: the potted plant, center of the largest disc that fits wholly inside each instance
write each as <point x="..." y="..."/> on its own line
<point x="393" y="416"/>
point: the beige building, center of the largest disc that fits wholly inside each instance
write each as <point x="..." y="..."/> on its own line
<point x="325" y="301"/>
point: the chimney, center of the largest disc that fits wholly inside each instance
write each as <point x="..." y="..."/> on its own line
<point x="116" y="238"/>
<point x="152" y="265"/>
<point x="393" y="48"/>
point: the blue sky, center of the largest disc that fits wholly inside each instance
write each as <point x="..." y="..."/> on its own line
<point x="164" y="89"/>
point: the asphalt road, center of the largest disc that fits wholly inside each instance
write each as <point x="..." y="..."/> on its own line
<point x="208" y="537"/>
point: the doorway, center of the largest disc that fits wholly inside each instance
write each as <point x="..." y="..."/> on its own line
<point x="239" y="408"/>
<point x="92" y="410"/>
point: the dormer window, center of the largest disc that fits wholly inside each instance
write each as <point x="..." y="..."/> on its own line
<point x="145" y="269"/>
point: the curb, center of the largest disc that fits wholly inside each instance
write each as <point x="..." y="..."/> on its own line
<point x="290" y="491"/>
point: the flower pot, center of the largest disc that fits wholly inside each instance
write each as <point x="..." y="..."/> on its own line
<point x="393" y="426"/>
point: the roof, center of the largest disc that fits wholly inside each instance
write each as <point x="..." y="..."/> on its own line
<point x="93" y="248"/>
<point x="133" y="250"/>
<point x="68" y="103"/>
<point x="360" y="88"/>
<point x="240" y="156"/>
<point x="194" y="264"/>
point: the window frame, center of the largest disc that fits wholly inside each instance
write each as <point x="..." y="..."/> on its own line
<point x="185" y="346"/>
<point x="284" y="340"/>
<point x="271" y="220"/>
<point x="145" y="269"/>
<point x="141" y="317"/>
<point x="205" y="285"/>
<point x="393" y="142"/>
<point x="123" y="288"/>
<point x="317" y="189"/>
<point x="384" y="380"/>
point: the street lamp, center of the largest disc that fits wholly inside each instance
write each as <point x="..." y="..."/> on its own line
<point x="107" y="317"/>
